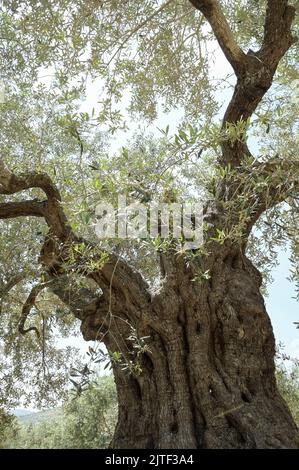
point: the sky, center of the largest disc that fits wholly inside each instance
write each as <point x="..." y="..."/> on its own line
<point x="283" y="308"/>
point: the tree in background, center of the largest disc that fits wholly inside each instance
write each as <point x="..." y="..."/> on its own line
<point x="86" y="422"/>
<point x="288" y="384"/>
<point x="7" y="427"/>
<point x="187" y="333"/>
<point x="90" y="419"/>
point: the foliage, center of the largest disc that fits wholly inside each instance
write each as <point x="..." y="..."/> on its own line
<point x="7" y="426"/>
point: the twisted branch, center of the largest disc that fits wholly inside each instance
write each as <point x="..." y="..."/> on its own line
<point x="27" y="307"/>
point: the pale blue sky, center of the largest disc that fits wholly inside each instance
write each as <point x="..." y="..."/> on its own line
<point x="283" y="308"/>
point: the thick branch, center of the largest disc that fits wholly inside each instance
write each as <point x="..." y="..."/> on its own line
<point x="11" y="210"/>
<point x="80" y="301"/>
<point x="92" y="309"/>
<point x="50" y="209"/>
<point x="100" y="314"/>
<point x="11" y="183"/>
<point x="212" y="11"/>
<point x="116" y="274"/>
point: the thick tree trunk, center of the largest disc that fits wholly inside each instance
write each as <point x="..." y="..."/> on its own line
<point x="209" y="379"/>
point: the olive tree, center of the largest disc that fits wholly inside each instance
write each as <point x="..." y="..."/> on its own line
<point x="190" y="342"/>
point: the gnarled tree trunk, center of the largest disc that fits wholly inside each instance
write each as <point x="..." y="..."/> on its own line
<point x="208" y="380"/>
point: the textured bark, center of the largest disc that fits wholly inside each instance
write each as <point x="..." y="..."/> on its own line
<point x="209" y="378"/>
